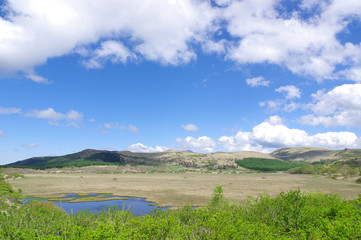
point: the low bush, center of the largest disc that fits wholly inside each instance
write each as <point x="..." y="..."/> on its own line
<point x="358" y="180"/>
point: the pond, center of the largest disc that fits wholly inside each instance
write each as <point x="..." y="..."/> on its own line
<point x="138" y="206"/>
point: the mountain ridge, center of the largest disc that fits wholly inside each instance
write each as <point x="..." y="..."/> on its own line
<point x="217" y="160"/>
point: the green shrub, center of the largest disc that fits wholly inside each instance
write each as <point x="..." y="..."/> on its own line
<point x="358" y="180"/>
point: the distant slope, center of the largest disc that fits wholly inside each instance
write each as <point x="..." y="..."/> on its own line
<point x="83" y="158"/>
<point x="349" y="153"/>
<point x="307" y="154"/>
<point x="218" y="160"/>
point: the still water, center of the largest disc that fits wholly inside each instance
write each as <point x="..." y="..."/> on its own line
<point x="136" y="205"/>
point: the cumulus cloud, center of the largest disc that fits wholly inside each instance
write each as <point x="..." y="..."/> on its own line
<point x="287" y="104"/>
<point x="258" y="31"/>
<point x="2" y="134"/>
<point x="72" y="117"/>
<point x="139" y="147"/>
<point x="46" y="114"/>
<point x="202" y="144"/>
<point x="306" y="46"/>
<point x="130" y="127"/>
<point x="257" y="81"/>
<point x="11" y="110"/>
<point x="51" y="114"/>
<point x="190" y="127"/>
<point x="272" y="134"/>
<point x="31" y="32"/>
<point x="114" y="51"/>
<point x="353" y="74"/>
<point x="339" y="107"/>
<point x="291" y="91"/>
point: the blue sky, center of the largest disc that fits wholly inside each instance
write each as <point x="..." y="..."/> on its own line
<point x="206" y="76"/>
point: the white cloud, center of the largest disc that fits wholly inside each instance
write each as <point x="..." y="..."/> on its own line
<point x="335" y="139"/>
<point x="2" y="134"/>
<point x="139" y="147"/>
<point x="54" y="117"/>
<point x="46" y="114"/>
<point x="291" y="91"/>
<point x="36" y="78"/>
<point x="242" y="141"/>
<point x="74" y="116"/>
<point x="30" y="145"/>
<point x="130" y="127"/>
<point x="287" y="104"/>
<point x="339" y="107"/>
<point x="353" y="74"/>
<point x="190" y="127"/>
<point x="11" y="110"/>
<point x="201" y="144"/>
<point x="31" y="32"/>
<point x="157" y="30"/>
<point x="111" y="50"/>
<point x="272" y="134"/>
<point x="305" y="46"/>
<point x="257" y="81"/>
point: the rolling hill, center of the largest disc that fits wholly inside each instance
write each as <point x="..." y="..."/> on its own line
<point x="218" y="160"/>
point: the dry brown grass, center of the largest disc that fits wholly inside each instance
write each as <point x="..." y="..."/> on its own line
<point x="177" y="189"/>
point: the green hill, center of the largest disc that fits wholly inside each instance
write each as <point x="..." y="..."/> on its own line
<point x="280" y="159"/>
<point x="87" y="157"/>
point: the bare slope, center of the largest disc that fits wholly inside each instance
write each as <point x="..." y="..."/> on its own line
<point x="307" y="154"/>
<point x="218" y="160"/>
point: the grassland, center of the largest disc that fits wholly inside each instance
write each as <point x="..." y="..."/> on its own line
<point x="288" y="215"/>
<point x="174" y="189"/>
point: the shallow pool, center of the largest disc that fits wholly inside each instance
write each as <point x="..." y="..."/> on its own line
<point x="136" y="205"/>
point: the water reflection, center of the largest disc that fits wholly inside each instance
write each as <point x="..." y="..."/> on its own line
<point x="136" y="205"/>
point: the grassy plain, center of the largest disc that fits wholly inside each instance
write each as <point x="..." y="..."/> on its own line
<point x="175" y="189"/>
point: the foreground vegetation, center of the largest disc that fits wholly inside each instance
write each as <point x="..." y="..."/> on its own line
<point x="289" y="215"/>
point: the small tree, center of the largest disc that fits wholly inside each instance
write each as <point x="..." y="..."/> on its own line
<point x="217" y="196"/>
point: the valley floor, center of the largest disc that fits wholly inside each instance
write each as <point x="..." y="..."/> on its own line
<point x="174" y="189"/>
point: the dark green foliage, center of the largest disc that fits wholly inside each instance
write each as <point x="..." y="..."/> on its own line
<point x="290" y="215"/>
<point x="106" y="157"/>
<point x="354" y="162"/>
<point x="266" y="164"/>
<point x="358" y="180"/>
<point x="81" y="159"/>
